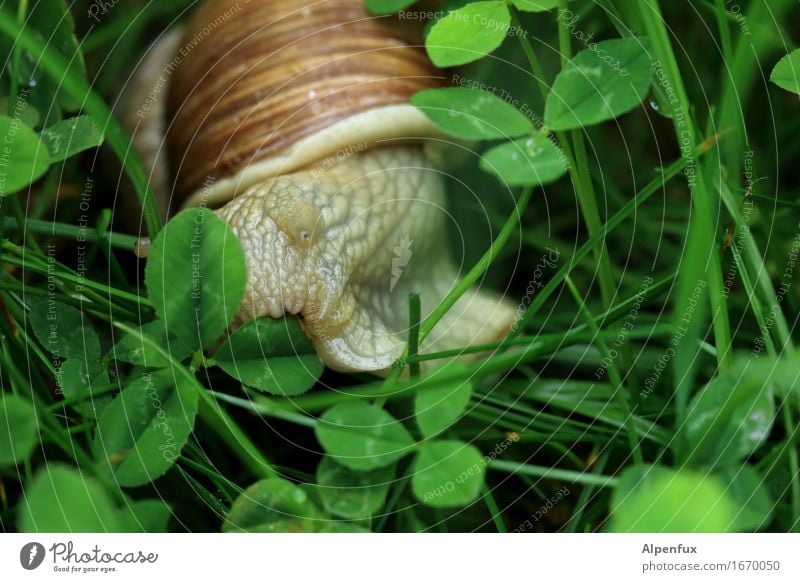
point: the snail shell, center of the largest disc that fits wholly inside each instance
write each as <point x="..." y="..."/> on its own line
<point x="292" y="118"/>
<point x="272" y="86"/>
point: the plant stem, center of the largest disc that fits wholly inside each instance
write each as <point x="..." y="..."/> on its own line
<point x="16" y="59"/>
<point x="614" y="376"/>
<point x="414" y="315"/>
<point x="577" y="334"/>
<point x="586" y="495"/>
<point x="88" y="286"/>
<point x="125" y="242"/>
<point x="702" y="258"/>
<point x="465" y="283"/>
<point x="494" y="510"/>
<point x="556" y="474"/>
<point x="578" y="162"/>
<point x="480" y="268"/>
<point x="751" y="264"/>
<point x="587" y="200"/>
<point x="618" y="218"/>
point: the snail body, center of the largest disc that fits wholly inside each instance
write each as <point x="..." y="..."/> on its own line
<point x="292" y="120"/>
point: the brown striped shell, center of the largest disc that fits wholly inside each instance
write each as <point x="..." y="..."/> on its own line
<point x="265" y="87"/>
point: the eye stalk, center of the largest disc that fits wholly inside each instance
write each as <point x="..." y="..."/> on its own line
<point x="296" y="217"/>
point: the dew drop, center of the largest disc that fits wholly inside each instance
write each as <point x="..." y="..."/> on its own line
<point x="656" y="106"/>
<point x="142" y="248"/>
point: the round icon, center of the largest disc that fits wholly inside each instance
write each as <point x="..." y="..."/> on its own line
<point x="31" y="555"/>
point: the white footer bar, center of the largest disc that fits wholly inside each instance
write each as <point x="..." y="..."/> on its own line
<point x="390" y="557"/>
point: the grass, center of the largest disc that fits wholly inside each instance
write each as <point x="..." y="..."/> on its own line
<point x="603" y="378"/>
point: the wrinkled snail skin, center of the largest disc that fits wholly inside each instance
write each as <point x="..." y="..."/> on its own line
<point x="326" y="245"/>
<point x="338" y="224"/>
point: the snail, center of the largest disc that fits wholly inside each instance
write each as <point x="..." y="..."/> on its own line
<point x="291" y="119"/>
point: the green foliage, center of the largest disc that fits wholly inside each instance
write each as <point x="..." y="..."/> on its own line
<point x="437" y="409"/>
<point x="22" y="111"/>
<point x="786" y="74"/>
<point x="18" y="430"/>
<point x="352" y="494"/>
<point x="600" y="83"/>
<point x="31" y="155"/>
<point x="273" y="505"/>
<point x="730" y="417"/>
<point x="471" y="113"/>
<point x="447" y="474"/>
<point x="469" y="33"/>
<point x="61" y="499"/>
<point x="530" y="161"/>
<point x="634" y="396"/>
<point x="51" y="22"/>
<point x="747" y="488"/>
<point x="72" y="136"/>
<point x="63" y="330"/>
<point x="147" y="516"/>
<point x="363" y="437"/>
<point x="196" y="276"/>
<point x="272" y="355"/>
<point x="652" y="499"/>
<point x="277" y="505"/>
<point x="136" y="349"/>
<point x="141" y="433"/>
<point x="536" y="5"/>
<point x="69" y="336"/>
<point x="77" y="378"/>
<point x="387" y="6"/>
<point x="27" y="156"/>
